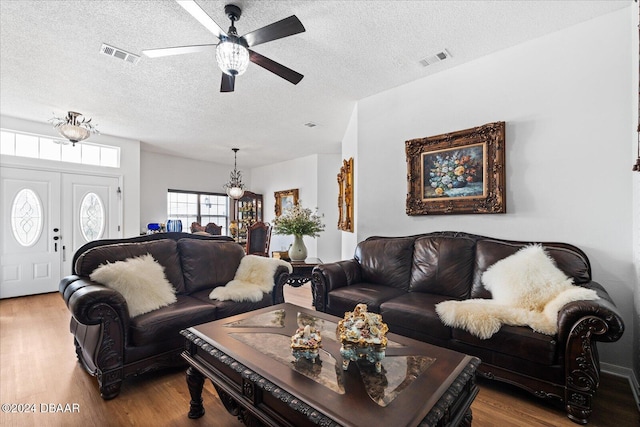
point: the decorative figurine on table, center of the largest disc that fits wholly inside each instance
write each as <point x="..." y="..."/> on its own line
<point x="306" y="342"/>
<point x="363" y="335"/>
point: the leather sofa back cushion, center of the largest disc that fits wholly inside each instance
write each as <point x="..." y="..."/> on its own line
<point x="443" y="266"/>
<point x="164" y="251"/>
<point x="567" y="258"/>
<point x="386" y="261"/>
<point x="208" y="263"/>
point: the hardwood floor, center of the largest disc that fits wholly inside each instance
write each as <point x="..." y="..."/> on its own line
<point x="38" y="368"/>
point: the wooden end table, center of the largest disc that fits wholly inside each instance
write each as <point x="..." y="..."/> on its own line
<point x="302" y="271"/>
<point x="248" y="359"/>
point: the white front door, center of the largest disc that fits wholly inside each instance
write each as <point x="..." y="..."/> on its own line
<point x="44" y="217"/>
<point x="30" y="220"/>
<point x="94" y="203"/>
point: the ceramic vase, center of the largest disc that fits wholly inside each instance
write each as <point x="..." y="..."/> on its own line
<point x="297" y="251"/>
<point x="174" y="225"/>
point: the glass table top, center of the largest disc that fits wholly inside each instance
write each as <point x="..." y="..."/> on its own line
<point x="261" y="332"/>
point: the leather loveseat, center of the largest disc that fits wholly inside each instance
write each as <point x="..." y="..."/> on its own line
<point x="403" y="278"/>
<point x="110" y="344"/>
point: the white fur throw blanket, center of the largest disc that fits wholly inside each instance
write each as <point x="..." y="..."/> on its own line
<point x="253" y="278"/>
<point x="527" y="290"/>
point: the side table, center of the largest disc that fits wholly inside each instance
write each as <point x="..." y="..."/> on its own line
<point x="302" y="271"/>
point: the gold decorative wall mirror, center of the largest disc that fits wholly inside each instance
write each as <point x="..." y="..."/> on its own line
<point x="345" y="196"/>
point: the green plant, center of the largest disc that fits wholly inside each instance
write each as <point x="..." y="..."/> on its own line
<point x="299" y="221"/>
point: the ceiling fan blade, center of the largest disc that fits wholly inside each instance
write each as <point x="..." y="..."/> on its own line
<point x="202" y="17"/>
<point x="178" y="50"/>
<point x="284" y="28"/>
<point x="274" y="67"/>
<point x="228" y="83"/>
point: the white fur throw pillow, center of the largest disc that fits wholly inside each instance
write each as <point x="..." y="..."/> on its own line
<point x="527" y="289"/>
<point x="253" y="278"/>
<point x="140" y="280"/>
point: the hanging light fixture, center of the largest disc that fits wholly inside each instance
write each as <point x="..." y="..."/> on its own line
<point x="232" y="54"/>
<point x="235" y="188"/>
<point x="74" y="127"/>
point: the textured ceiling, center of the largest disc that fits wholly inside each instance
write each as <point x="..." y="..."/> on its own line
<point x="50" y="63"/>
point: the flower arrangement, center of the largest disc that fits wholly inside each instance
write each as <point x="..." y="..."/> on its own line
<point x="453" y="171"/>
<point x="298" y="221"/>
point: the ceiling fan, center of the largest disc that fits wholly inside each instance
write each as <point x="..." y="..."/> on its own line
<point x="233" y="53"/>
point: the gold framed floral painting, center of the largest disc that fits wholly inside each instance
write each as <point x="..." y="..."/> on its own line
<point x="345" y="196"/>
<point x="457" y="173"/>
<point x="285" y="200"/>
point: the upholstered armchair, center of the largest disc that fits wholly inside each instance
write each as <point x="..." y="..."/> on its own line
<point x="211" y="228"/>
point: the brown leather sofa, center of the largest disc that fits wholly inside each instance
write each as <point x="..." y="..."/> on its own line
<point x="111" y="345"/>
<point x="403" y="278"/>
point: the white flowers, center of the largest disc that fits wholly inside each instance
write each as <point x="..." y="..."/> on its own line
<point x="298" y="221"/>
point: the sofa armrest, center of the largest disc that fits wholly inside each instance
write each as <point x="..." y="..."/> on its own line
<point x="100" y="325"/>
<point x="602" y="316"/>
<point x="87" y="301"/>
<point x="326" y="277"/>
<point x="279" y="280"/>
<point x="580" y="325"/>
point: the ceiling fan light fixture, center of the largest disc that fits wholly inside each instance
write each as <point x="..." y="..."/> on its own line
<point x="232" y="57"/>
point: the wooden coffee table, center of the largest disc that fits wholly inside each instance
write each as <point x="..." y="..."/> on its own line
<point x="248" y="359"/>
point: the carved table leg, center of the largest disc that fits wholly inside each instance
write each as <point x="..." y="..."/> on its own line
<point x="468" y="418"/>
<point x="195" y="382"/>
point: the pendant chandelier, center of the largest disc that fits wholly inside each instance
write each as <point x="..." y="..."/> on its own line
<point x="73" y="127"/>
<point x="235" y="188"/>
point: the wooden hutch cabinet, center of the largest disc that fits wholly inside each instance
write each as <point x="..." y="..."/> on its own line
<point x="246" y="211"/>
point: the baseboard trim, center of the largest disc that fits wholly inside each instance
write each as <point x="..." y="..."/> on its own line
<point x="627" y="373"/>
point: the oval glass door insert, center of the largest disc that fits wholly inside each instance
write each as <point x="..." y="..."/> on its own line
<point x="26" y="217"/>
<point x="92" y="217"/>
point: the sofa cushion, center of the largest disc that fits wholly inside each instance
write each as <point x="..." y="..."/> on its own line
<point x="443" y="266"/>
<point x="164" y="251"/>
<point x="386" y="261"/>
<point x="164" y="323"/>
<point x="568" y="258"/>
<point x="208" y="263"/>
<point x="516" y="341"/>
<point x="140" y="280"/>
<point x="415" y="310"/>
<point x="346" y="298"/>
<point x="231" y="308"/>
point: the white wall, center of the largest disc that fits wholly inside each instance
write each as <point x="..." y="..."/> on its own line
<point x="327" y="202"/>
<point x="129" y="169"/>
<point x="160" y="172"/>
<point x="315" y="178"/>
<point x="565" y="99"/>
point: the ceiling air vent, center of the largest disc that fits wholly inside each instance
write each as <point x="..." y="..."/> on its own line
<point x="119" y="53"/>
<point x="440" y="56"/>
